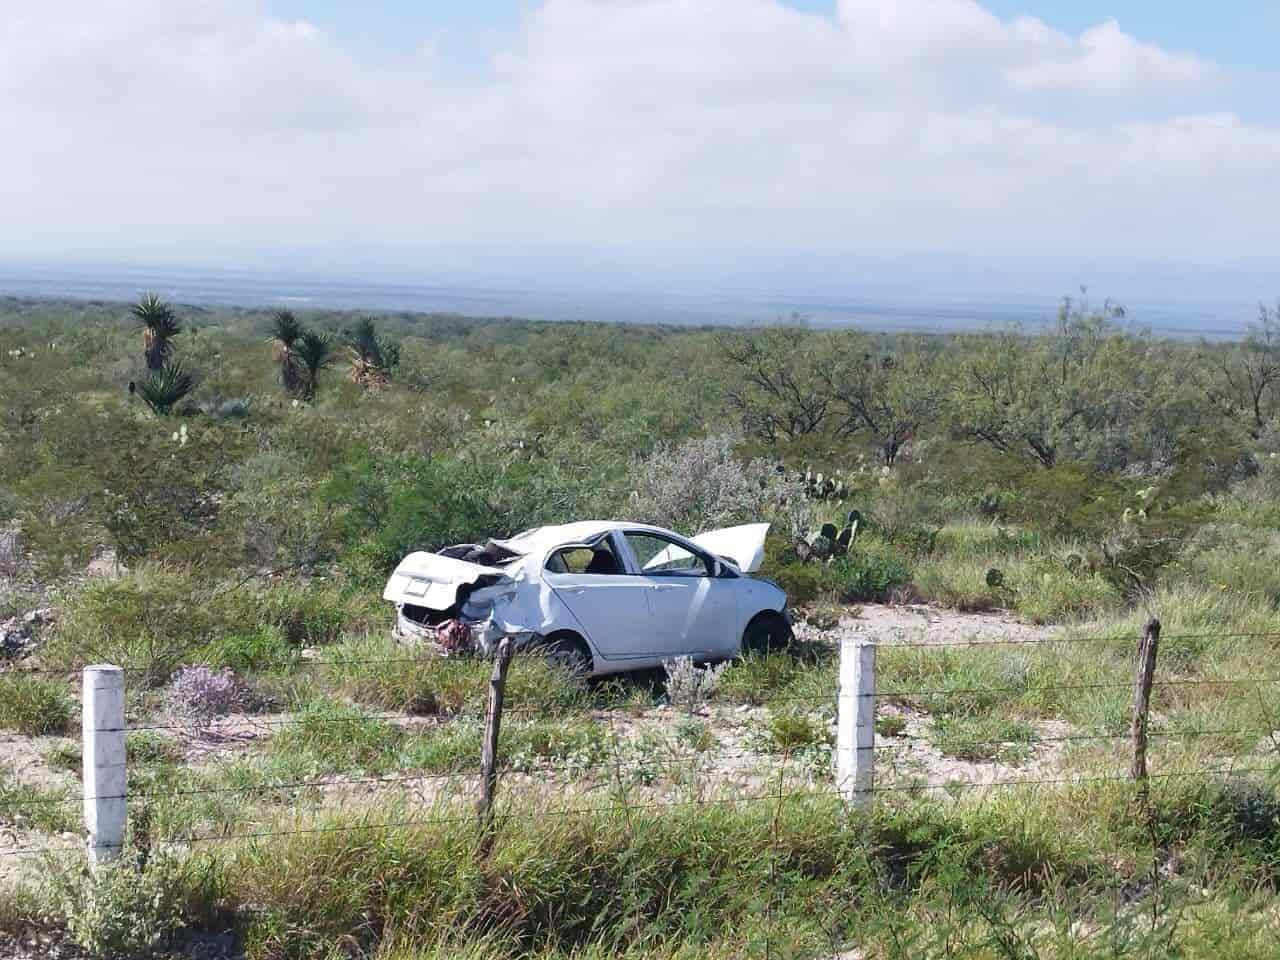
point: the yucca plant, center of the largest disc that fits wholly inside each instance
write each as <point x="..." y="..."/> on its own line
<point x="368" y="366"/>
<point x="286" y="333"/>
<point x="313" y="352"/>
<point x="159" y="326"/>
<point x="162" y="390"/>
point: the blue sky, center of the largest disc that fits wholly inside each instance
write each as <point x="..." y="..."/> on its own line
<point x="697" y="136"/>
<point x="1236" y="33"/>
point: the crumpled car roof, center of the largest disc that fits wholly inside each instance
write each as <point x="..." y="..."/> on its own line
<point x="580" y="531"/>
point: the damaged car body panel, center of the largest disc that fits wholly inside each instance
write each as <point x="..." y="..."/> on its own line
<point x="435" y="581"/>
<point x="626" y="595"/>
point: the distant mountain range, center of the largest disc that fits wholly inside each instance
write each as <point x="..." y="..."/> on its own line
<point x="884" y="305"/>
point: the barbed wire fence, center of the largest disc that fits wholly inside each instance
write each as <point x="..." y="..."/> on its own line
<point x="862" y="769"/>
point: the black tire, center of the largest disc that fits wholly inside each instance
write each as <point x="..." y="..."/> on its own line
<point x="766" y="633"/>
<point x="569" y="653"/>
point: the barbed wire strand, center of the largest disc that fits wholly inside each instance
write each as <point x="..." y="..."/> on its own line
<point x="310" y="662"/>
<point x="773" y="796"/>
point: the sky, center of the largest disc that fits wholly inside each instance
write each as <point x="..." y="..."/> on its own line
<point x="650" y="135"/>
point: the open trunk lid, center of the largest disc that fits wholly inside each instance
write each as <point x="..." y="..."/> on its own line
<point x="433" y="581"/>
<point x="742" y="546"/>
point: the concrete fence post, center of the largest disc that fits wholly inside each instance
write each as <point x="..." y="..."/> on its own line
<point x="105" y="805"/>
<point x="856" y="721"/>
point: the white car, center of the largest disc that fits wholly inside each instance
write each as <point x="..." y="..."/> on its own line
<point x="601" y="596"/>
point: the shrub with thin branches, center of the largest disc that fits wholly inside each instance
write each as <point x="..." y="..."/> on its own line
<point x="690" y="686"/>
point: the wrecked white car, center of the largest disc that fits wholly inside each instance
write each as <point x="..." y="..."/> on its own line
<point x="600" y="596"/>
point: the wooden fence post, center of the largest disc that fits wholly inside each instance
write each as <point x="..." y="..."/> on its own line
<point x="489" y="752"/>
<point x="856" y="721"/>
<point x="103" y="748"/>
<point x="1142" y="701"/>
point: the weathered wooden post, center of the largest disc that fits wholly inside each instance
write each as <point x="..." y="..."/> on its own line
<point x="489" y="751"/>
<point x="105" y="780"/>
<point x="856" y="721"/>
<point x="1142" y="701"/>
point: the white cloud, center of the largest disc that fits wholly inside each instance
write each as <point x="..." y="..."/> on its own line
<point x="897" y="124"/>
<point x="1105" y="59"/>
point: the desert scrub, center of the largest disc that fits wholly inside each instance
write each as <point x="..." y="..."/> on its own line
<point x="690" y="687"/>
<point x="159" y="617"/>
<point x="694" y="734"/>
<point x="118" y="909"/>
<point x="891" y="725"/>
<point x="760" y="678"/>
<point x="1051" y="592"/>
<point x="575" y="747"/>
<point x="322" y="611"/>
<point x="1040" y="588"/>
<point x="977" y="539"/>
<point x="872" y="571"/>
<point x="264" y="648"/>
<point x="962" y="682"/>
<point x="35" y="705"/>
<point x="327" y="737"/>
<point x="376" y="671"/>
<point x="982" y="738"/>
<point x="790" y="729"/>
<point x="30" y="806"/>
<point x="200" y="696"/>
<point x="826" y="616"/>
<point x="152" y="620"/>
<point x="960" y="583"/>
<point x="696" y="875"/>
<point x="701" y="485"/>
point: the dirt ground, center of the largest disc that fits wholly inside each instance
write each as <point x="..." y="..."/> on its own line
<point x="913" y="623"/>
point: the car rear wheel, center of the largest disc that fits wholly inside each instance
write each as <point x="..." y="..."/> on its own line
<point x="765" y="633"/>
<point x="568" y="653"/>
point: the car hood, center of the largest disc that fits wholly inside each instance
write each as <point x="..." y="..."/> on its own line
<point x="742" y="546"/>
<point x="432" y="581"/>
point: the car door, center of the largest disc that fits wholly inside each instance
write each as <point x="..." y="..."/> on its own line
<point x="612" y="606"/>
<point x="693" y="612"/>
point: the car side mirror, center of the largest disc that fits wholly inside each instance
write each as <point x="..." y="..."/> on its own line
<point x="717" y="568"/>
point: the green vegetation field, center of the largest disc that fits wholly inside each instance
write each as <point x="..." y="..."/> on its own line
<point x="229" y="489"/>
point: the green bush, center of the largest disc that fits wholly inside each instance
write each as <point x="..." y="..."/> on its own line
<point x="871" y="571"/>
<point x="321" y="612"/>
<point x="1050" y="593"/>
<point x="755" y="678"/>
<point x="151" y="746"/>
<point x="391" y="507"/>
<point x="35" y="705"/>
<point x="792" y="730"/>
<point x="153" y="619"/>
<point x="159" y="617"/>
<point x="119" y="910"/>
<point x="264" y="647"/>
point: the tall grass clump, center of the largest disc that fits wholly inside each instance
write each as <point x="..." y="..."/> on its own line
<point x="35" y="705"/>
<point x="373" y="669"/>
<point x="725" y="879"/>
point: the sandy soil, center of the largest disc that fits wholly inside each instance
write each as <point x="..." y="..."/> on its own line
<point x="914" y="623"/>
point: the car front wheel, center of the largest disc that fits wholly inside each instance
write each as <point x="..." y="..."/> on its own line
<point x="765" y="633"/>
